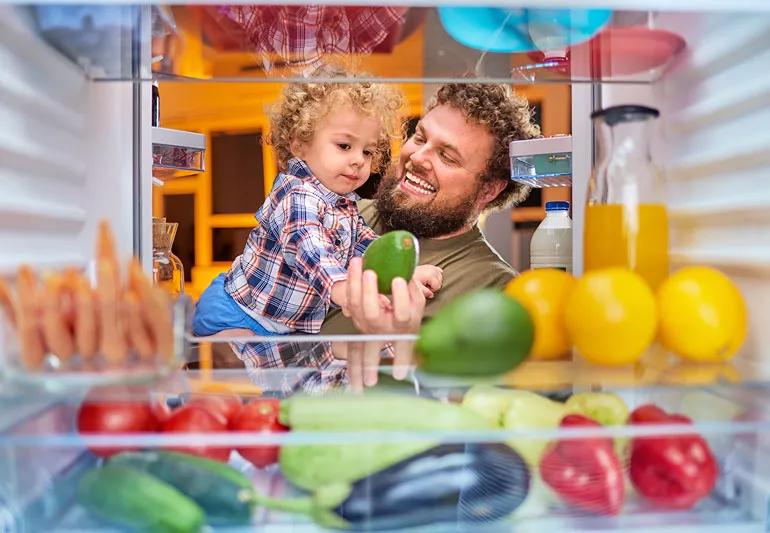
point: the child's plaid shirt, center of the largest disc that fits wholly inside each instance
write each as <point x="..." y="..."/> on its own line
<point x="305" y="239"/>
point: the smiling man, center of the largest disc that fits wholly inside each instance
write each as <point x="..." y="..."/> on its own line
<point x="450" y="171"/>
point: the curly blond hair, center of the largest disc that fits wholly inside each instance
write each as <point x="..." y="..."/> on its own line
<point x="303" y="105"/>
<point x="507" y="116"/>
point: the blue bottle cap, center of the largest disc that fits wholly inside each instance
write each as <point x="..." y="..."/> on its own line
<point x="557" y="206"/>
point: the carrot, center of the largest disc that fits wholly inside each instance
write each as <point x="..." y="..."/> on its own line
<point x="30" y="336"/>
<point x="113" y="340"/>
<point x="155" y="306"/>
<point x="57" y="335"/>
<point x="136" y="330"/>
<point x="7" y="303"/>
<point x="86" y="323"/>
<point x="105" y="243"/>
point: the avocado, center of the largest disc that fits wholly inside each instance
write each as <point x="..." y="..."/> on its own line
<point x="394" y="255"/>
<point x="481" y="333"/>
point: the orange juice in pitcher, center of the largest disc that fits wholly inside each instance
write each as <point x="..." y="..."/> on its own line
<point x="625" y="219"/>
<point x="635" y="237"/>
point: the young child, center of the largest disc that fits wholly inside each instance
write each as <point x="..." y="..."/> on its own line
<point x="328" y="138"/>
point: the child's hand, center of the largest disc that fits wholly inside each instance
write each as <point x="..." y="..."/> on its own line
<point x="340" y="296"/>
<point x="430" y="278"/>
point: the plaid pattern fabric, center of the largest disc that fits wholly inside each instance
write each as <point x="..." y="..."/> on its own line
<point x="283" y="368"/>
<point x="305" y="239"/>
<point x="302" y="34"/>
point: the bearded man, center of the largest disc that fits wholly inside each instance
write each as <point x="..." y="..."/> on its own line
<point x="451" y="170"/>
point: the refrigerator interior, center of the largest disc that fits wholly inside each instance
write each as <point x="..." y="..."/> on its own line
<point x="76" y="147"/>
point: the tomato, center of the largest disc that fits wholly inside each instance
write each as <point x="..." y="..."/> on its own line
<point x="112" y="416"/>
<point x="224" y="406"/>
<point x="196" y="419"/>
<point x="259" y="416"/>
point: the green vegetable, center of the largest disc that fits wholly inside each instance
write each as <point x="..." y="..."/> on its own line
<point x="394" y="255"/>
<point x="608" y="409"/>
<point x="605" y="407"/>
<point x="489" y="402"/>
<point x="517" y="409"/>
<point x="215" y="486"/>
<point x="482" y="333"/>
<point x="315" y="465"/>
<point x="131" y="498"/>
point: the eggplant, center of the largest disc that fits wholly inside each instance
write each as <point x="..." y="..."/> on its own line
<point x="457" y="483"/>
<point x="462" y="483"/>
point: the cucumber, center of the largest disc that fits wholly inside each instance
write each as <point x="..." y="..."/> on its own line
<point x="131" y="498"/>
<point x="218" y="488"/>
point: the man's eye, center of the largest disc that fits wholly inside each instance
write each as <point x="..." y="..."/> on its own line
<point x="418" y="139"/>
<point x="446" y="158"/>
<point x="344" y="146"/>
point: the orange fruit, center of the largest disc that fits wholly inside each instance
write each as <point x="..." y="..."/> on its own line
<point x="544" y="293"/>
<point x="611" y="316"/>
<point x="702" y="315"/>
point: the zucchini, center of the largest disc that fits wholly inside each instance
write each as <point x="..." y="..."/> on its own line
<point x="131" y="498"/>
<point x="311" y="466"/>
<point x="215" y="486"/>
<point x="375" y="412"/>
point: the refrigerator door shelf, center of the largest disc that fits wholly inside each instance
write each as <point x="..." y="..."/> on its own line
<point x="177" y="153"/>
<point x="545" y="162"/>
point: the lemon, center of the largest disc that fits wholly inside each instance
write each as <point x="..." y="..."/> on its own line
<point x="702" y="315"/>
<point x="611" y="316"/>
<point x="544" y="294"/>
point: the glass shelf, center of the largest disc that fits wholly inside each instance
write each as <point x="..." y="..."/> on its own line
<point x="260" y="43"/>
<point x="43" y="456"/>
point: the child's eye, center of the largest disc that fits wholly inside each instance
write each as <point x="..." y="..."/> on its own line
<point x="368" y="153"/>
<point x="344" y="146"/>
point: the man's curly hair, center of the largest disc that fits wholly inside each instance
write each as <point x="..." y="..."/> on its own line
<point x="507" y="116"/>
<point x="303" y="105"/>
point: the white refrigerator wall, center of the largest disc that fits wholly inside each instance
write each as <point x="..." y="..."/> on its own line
<point x="717" y="156"/>
<point x="66" y="147"/>
<point x="713" y="145"/>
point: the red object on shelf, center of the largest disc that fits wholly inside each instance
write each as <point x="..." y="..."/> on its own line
<point x="674" y="471"/>
<point x="585" y="472"/>
<point x="259" y="416"/>
<point x="620" y="51"/>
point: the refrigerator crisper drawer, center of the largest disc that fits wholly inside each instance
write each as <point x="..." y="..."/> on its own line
<point x="43" y="457"/>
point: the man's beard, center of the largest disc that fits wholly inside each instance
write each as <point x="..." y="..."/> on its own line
<point x="426" y="221"/>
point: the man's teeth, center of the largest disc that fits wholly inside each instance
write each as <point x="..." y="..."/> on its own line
<point x="418" y="185"/>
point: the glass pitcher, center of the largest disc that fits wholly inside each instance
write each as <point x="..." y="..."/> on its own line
<point x="625" y="221"/>
<point x="167" y="269"/>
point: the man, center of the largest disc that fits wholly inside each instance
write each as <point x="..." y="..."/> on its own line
<point x="450" y="171"/>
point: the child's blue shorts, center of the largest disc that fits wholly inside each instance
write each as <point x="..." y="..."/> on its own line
<point x="216" y="310"/>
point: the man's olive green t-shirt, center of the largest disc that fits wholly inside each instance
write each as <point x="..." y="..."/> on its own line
<point x="467" y="260"/>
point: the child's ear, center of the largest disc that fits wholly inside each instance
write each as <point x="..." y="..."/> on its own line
<point x="297" y="148"/>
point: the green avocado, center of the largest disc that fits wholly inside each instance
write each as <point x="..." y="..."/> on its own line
<point x="394" y="255"/>
<point x="481" y="333"/>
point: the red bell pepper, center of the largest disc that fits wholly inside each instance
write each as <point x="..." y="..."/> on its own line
<point x="671" y="470"/>
<point x="585" y="472"/>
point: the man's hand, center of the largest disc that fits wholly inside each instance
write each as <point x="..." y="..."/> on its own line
<point x="363" y="360"/>
<point x="430" y="278"/>
<point x="369" y="315"/>
<point x="404" y="315"/>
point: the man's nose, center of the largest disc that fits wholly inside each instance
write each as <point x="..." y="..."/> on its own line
<point x="420" y="157"/>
